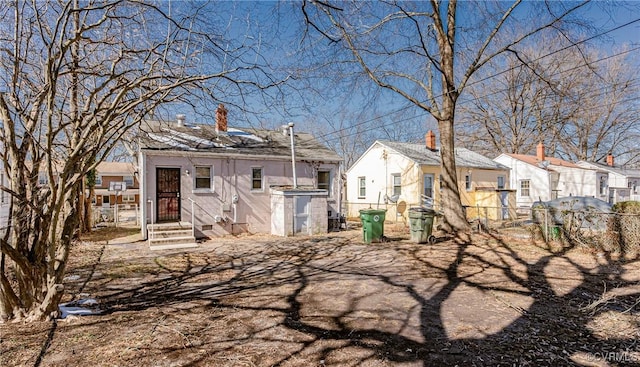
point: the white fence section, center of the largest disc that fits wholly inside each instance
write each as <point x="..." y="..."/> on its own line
<point x="126" y="215"/>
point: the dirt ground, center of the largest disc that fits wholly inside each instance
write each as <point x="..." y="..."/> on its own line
<point x="501" y="300"/>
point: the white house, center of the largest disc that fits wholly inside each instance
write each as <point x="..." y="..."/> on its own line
<point x="541" y="178"/>
<point x="5" y="200"/>
<point x="623" y="183"/>
<point x="226" y="180"/>
<point x="396" y="176"/>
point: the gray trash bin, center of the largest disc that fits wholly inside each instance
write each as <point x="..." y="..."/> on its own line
<point x="421" y="225"/>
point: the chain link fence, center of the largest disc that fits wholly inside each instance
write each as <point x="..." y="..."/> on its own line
<point x="617" y="232"/>
<point x="125" y="215"/>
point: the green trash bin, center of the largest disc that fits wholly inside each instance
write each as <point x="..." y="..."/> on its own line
<point x="421" y="225"/>
<point x="372" y="224"/>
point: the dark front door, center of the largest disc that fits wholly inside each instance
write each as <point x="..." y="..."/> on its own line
<point x="168" y="194"/>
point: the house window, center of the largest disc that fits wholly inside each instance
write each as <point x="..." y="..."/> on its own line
<point x="633" y="185"/>
<point x="128" y="180"/>
<point x="105" y="199"/>
<point x="467" y="182"/>
<point x="428" y="185"/>
<point x="203" y="178"/>
<point x="602" y="185"/>
<point x="525" y="186"/>
<point x="500" y="182"/>
<point x="256" y="178"/>
<point x="98" y="180"/>
<point x="397" y="183"/>
<point x="362" y="187"/>
<point x="324" y="180"/>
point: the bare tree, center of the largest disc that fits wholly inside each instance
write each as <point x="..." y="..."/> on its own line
<point x="579" y="102"/>
<point x="427" y="53"/>
<point x="79" y="76"/>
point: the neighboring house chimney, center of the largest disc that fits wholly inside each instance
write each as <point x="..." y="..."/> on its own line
<point x="540" y="152"/>
<point x="180" y="120"/>
<point x="221" y="118"/>
<point x="430" y="139"/>
<point x="610" y="160"/>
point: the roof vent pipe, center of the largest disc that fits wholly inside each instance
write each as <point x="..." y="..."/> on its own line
<point x="180" y="120"/>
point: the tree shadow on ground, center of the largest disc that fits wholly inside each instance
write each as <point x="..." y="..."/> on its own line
<point x="486" y="303"/>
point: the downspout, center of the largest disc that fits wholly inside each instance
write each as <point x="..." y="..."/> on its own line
<point x="293" y="156"/>
<point x="234" y="198"/>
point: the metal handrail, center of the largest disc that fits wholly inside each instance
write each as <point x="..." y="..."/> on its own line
<point x="150" y="231"/>
<point x="193" y="223"/>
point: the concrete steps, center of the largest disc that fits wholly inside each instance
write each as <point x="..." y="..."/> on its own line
<point x="175" y="235"/>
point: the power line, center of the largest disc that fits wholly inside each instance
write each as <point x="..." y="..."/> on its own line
<point x="496" y="75"/>
<point x="462" y="102"/>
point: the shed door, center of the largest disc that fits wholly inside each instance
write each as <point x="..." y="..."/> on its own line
<point x="301" y="219"/>
<point x="504" y="203"/>
<point x="168" y="194"/>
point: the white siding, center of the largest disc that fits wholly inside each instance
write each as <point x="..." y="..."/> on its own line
<point x="378" y="165"/>
<point x="539" y="178"/>
<point x="577" y="182"/>
<point x="252" y="212"/>
<point x="5" y="199"/>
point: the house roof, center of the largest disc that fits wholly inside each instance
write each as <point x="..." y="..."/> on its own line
<point x="421" y="155"/>
<point x="115" y="168"/>
<point x="627" y="172"/>
<point x="533" y="160"/>
<point x="235" y="141"/>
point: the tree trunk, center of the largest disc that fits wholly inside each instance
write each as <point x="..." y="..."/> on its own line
<point x="455" y="220"/>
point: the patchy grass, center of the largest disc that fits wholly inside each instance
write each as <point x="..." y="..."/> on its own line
<point x="108" y="233"/>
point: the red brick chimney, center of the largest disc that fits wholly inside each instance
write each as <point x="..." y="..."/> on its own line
<point x="540" y="152"/>
<point x="221" y="118"/>
<point x="430" y="140"/>
<point x="610" y="160"/>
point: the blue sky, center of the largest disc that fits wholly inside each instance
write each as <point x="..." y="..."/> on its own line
<point x="279" y="27"/>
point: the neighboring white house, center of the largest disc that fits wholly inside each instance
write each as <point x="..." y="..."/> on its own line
<point x="4" y="197"/>
<point x="236" y="179"/>
<point x="624" y="183"/>
<point x="541" y="178"/>
<point x="396" y="176"/>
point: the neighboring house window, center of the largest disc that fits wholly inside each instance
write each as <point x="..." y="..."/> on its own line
<point x="525" y="186"/>
<point x="203" y="178"/>
<point x="128" y="198"/>
<point x="256" y="178"/>
<point x="324" y="180"/>
<point x="467" y="182"/>
<point x="428" y="185"/>
<point x="98" y="180"/>
<point x="42" y="179"/>
<point x="603" y="185"/>
<point x="105" y="199"/>
<point x="2" y="193"/>
<point x="633" y="185"/>
<point x="128" y="180"/>
<point x="397" y="183"/>
<point x="500" y="182"/>
<point x="362" y="187"/>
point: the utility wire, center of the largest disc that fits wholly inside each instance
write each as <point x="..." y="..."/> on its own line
<point x="490" y="77"/>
